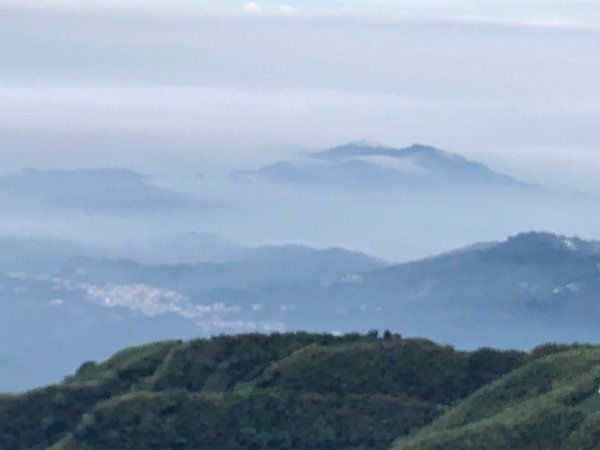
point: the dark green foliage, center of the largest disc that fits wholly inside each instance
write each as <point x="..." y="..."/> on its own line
<point x="549" y="402"/>
<point x="264" y="419"/>
<point x="415" y="367"/>
<point x="37" y="419"/>
<point x="220" y="363"/>
<point x="373" y="367"/>
<point x="553" y="347"/>
<point x="293" y="390"/>
<point x="40" y="417"/>
<point x="126" y="367"/>
<point x="586" y="434"/>
<point x="486" y="364"/>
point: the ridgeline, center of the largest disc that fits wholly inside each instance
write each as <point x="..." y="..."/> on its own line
<point x="301" y="390"/>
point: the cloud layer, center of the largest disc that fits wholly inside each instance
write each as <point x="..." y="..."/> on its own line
<point x="495" y="80"/>
<point x="535" y="13"/>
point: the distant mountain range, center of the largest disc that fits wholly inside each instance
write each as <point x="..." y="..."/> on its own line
<point x="96" y="305"/>
<point x="366" y="165"/>
<point x="358" y="165"/>
<point x="533" y="287"/>
<point x="89" y="190"/>
<point x="530" y="288"/>
<point x="256" y="267"/>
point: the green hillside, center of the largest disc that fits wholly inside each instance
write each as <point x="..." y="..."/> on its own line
<point x="301" y="390"/>
<point x="550" y="402"/>
<point x="294" y="390"/>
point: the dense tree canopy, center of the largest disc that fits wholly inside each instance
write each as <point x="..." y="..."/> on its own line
<point x="301" y="390"/>
<point x="292" y="390"/>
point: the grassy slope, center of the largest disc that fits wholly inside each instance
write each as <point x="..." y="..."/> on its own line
<point x="255" y="391"/>
<point x="550" y="402"/>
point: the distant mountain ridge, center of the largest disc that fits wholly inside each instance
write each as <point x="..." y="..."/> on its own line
<point x="530" y="288"/>
<point x="90" y="190"/>
<point x="364" y="164"/>
<point x="525" y="283"/>
<point x="256" y="267"/>
<point x="530" y="283"/>
<point x="541" y="286"/>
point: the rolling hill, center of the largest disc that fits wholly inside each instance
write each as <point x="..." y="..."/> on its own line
<point x="252" y="391"/>
<point x="301" y="390"/>
<point x="550" y="402"/>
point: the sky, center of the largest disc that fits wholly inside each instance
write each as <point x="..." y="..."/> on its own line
<point x="200" y="88"/>
<point x="228" y="84"/>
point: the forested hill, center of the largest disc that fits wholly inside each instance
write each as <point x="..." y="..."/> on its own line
<point x="551" y="402"/>
<point x="252" y="391"/>
<point x="301" y="390"/>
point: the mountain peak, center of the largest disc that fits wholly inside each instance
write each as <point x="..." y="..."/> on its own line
<point x="422" y="148"/>
<point x="364" y="143"/>
<point x="370" y="164"/>
<point x="537" y="243"/>
<point x="355" y="149"/>
<point x="365" y="148"/>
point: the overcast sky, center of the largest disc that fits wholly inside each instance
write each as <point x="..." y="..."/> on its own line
<point x="507" y="82"/>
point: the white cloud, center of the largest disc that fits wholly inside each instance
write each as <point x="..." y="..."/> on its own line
<point x="545" y="13"/>
<point x="490" y="99"/>
<point x="287" y="10"/>
<point x="257" y="306"/>
<point x="196" y="109"/>
<point x="252" y="8"/>
<point x="158" y="8"/>
<point x="57" y="302"/>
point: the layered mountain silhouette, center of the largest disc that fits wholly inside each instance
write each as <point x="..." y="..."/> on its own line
<point x="89" y="190"/>
<point x="256" y="267"/>
<point x="97" y="305"/>
<point x="363" y="164"/>
<point x="533" y="287"/>
<point x="530" y="288"/>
